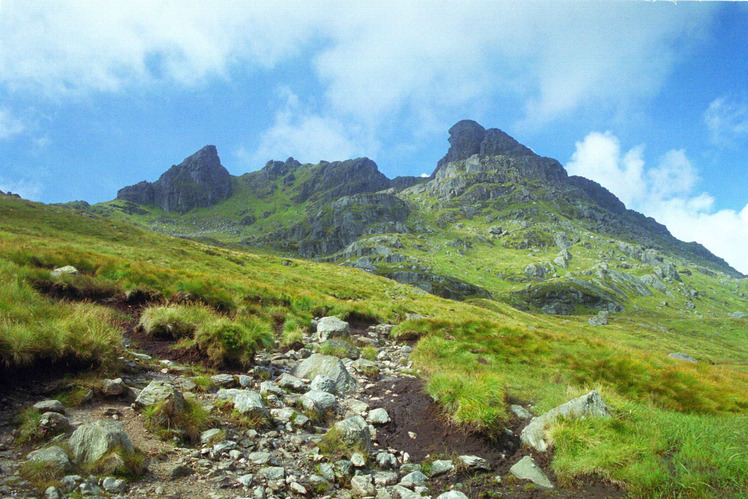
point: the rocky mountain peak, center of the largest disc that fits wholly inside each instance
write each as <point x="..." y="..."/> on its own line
<point x="467" y="138"/>
<point x="198" y="181"/>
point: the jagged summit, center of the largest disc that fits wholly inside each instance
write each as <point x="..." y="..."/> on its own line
<point x="467" y="138"/>
<point x="200" y="180"/>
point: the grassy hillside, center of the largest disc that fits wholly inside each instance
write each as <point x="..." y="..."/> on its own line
<point x="678" y="428"/>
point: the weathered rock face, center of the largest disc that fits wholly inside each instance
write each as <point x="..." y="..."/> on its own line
<point x="199" y="181"/>
<point x="467" y="138"/>
<point x="330" y="230"/>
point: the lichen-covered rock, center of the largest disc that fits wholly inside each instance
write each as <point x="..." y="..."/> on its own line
<point x="527" y="469"/>
<point x="93" y="441"/>
<point x="246" y="402"/>
<point x="66" y="270"/>
<point x="50" y="406"/>
<point x="163" y="395"/>
<point x="54" y="423"/>
<point x="354" y="431"/>
<point x="332" y="327"/>
<point x="113" y="387"/>
<point x="329" y="366"/>
<point x="54" y="457"/>
<point x="590" y="405"/>
<point x="319" y="402"/>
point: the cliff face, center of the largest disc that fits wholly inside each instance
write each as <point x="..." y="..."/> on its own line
<point x="199" y="181"/>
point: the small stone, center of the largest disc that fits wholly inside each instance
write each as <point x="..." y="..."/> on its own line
<point x="441" y="466"/>
<point x="53" y="456"/>
<point x="386" y="461"/>
<point x="54" y="422"/>
<point x="378" y="416"/>
<point x="113" y="387"/>
<point x="297" y="488"/>
<point x="244" y="381"/>
<point x="114" y="485"/>
<point x="290" y="382"/>
<point x="224" y="380"/>
<point x="66" y="270"/>
<point x="246" y="480"/>
<point x="452" y="494"/>
<point x="362" y="486"/>
<point x="89" y="488"/>
<point x="413" y="479"/>
<point x="208" y="436"/>
<point x="527" y="469"/>
<point x="51" y="492"/>
<point x="474" y="463"/>
<point x="268" y="387"/>
<point x="179" y="471"/>
<point x="358" y="460"/>
<point x="520" y="411"/>
<point x="385" y="478"/>
<point x="259" y="457"/>
<point x="273" y="473"/>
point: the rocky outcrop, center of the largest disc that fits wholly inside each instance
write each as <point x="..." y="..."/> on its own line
<point x="199" y="181"/>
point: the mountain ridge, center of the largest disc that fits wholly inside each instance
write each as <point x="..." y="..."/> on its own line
<point x="488" y="197"/>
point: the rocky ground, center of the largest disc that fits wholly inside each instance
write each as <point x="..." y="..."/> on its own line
<point x="392" y="439"/>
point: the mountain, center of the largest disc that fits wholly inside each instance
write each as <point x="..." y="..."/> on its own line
<point x="494" y="220"/>
<point x="200" y="180"/>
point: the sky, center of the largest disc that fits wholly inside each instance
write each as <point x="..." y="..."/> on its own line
<point x="650" y="99"/>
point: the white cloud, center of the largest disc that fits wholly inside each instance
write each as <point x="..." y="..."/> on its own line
<point x="375" y="60"/>
<point x="310" y="137"/>
<point x="9" y="126"/>
<point x="727" y="121"/>
<point x="665" y="192"/>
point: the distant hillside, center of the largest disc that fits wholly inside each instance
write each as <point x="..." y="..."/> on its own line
<point x="494" y="220"/>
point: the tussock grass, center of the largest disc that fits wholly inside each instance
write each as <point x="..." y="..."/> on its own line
<point x="186" y="425"/>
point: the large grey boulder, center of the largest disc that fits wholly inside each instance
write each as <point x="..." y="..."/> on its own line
<point x="329" y="366"/>
<point x="54" y="457"/>
<point x="161" y="394"/>
<point x="590" y="405"/>
<point x="246" y="402"/>
<point x="332" y="327"/>
<point x="354" y="431"/>
<point x="527" y="469"/>
<point x="92" y="441"/>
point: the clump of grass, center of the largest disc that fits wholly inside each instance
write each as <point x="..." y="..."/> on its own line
<point x="28" y="426"/>
<point x="369" y="353"/>
<point x="75" y="396"/>
<point x="292" y="334"/>
<point x="338" y="348"/>
<point x="334" y="446"/>
<point x="223" y="340"/>
<point x="186" y="425"/>
<point x="120" y="462"/>
<point x="41" y="475"/>
<point x="174" y="322"/>
<point x="204" y="383"/>
<point x="475" y="401"/>
<point x="33" y="329"/>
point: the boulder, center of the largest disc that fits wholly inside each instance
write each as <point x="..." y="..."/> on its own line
<point x="224" y="380"/>
<point x="332" y="327"/>
<point x="246" y="402"/>
<point x="475" y="463"/>
<point x="93" y="441"/>
<point x="113" y="387"/>
<point x="53" y="456"/>
<point x="414" y="479"/>
<point x="354" y="431"/>
<point x="50" y="406"/>
<point x="441" y="466"/>
<point x="590" y="405"/>
<point x="163" y="395"/>
<point x="319" y="402"/>
<point x="527" y="469"/>
<point x="329" y="366"/>
<point x="290" y="382"/>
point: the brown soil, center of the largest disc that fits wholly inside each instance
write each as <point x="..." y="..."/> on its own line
<point x="412" y="411"/>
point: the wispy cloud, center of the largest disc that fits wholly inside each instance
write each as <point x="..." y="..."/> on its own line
<point x="666" y="192"/>
<point x="727" y="120"/>
<point x="9" y="125"/>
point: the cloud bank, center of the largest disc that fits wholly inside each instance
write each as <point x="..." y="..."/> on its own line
<point x="666" y="191"/>
<point x="372" y="62"/>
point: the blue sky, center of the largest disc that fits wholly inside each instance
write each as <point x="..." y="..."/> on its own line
<point x="647" y="98"/>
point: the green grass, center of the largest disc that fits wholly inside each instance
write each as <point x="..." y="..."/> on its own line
<point x="677" y="429"/>
<point x="186" y="425"/>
